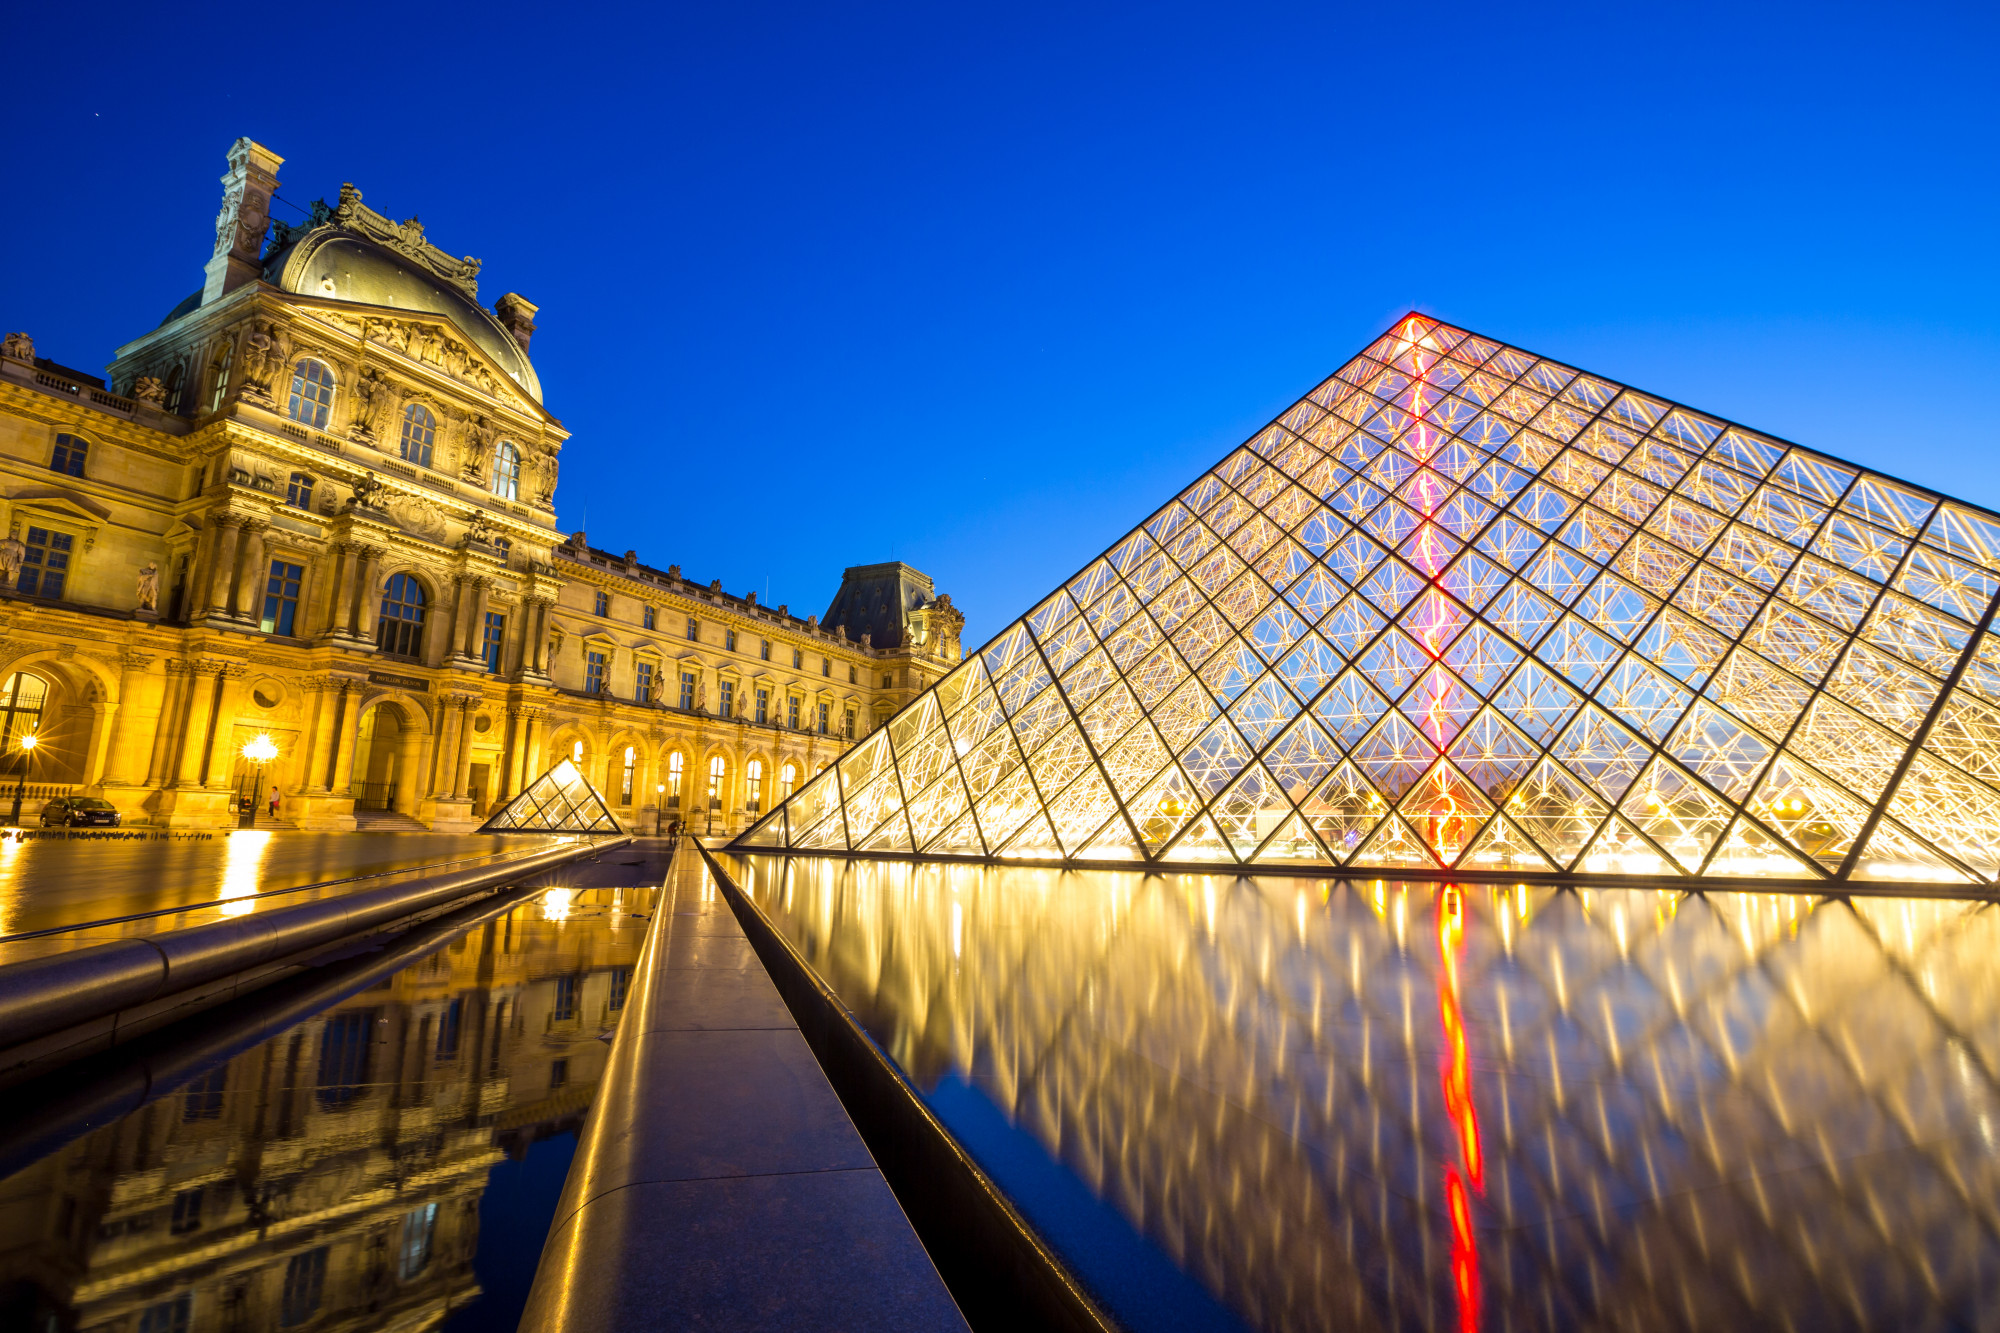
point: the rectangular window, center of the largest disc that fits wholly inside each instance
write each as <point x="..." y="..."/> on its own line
<point x="594" y="672"/>
<point x="449" y="1024"/>
<point x="826" y="666"/>
<point x="168" y="1316"/>
<point x="625" y="781"/>
<point x="728" y="698"/>
<point x="642" y="688"/>
<point x="729" y="640"/>
<point x="565" y="1005"/>
<point x="694" y="630"/>
<point x="850" y="724"/>
<point x="888" y="681"/>
<point x="69" y="455"/>
<point x="798" y="660"/>
<point x="853" y="674"/>
<point x="621" y="979"/>
<point x="299" y="492"/>
<point x="204" y="1096"/>
<point x="558" y="1073"/>
<point x="187" y="1212"/>
<point x="305" y="1280"/>
<point x="603" y="603"/>
<point x="647" y="617"/>
<point x="763" y="705"/>
<point x="281" y="598"/>
<point x="765" y="650"/>
<point x="792" y="712"/>
<point x="491" y="637"/>
<point x="45" y="564"/>
<point x="687" y="691"/>
<point x="824" y="709"/>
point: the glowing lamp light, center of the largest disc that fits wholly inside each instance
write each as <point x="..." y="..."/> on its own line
<point x="260" y="749"/>
<point x="30" y="741"/>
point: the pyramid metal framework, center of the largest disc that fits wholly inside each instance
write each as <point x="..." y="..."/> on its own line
<point x="559" y="801"/>
<point x="1463" y="610"/>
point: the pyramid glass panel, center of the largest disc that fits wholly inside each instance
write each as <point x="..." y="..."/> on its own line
<point x="563" y="801"/>
<point x="1462" y="610"/>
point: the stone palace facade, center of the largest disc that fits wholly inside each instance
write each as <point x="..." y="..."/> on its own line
<point x="318" y="503"/>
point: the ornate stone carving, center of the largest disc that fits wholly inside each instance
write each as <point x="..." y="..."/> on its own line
<point x="12" y="548"/>
<point x="546" y="496"/>
<point x="149" y="389"/>
<point x="371" y="394"/>
<point x="149" y="586"/>
<point x="19" y="346"/>
<point x="418" y="514"/>
<point x="479" y="438"/>
<point x="367" y="492"/>
<point x="260" y="355"/>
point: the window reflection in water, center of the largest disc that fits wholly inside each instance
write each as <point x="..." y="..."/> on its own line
<point x="332" y="1176"/>
<point x="1625" y="1108"/>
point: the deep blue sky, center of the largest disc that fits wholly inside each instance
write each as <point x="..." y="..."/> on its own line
<point x="977" y="286"/>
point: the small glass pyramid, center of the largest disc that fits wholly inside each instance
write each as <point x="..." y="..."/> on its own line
<point x="1462" y="609"/>
<point x="559" y="801"/>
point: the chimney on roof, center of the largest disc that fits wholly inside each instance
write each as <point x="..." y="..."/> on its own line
<point x="517" y="315"/>
<point x="246" y="215"/>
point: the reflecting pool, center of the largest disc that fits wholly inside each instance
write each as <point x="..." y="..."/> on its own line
<point x="390" y="1160"/>
<point x="1284" y="1103"/>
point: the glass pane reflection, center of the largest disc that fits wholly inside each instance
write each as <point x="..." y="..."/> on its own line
<point x="1371" y="1103"/>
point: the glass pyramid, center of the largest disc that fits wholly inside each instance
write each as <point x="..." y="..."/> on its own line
<point x="559" y="801"/>
<point x="1463" y="609"/>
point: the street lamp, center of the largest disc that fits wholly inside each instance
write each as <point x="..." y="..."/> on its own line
<point x="28" y="744"/>
<point x="259" y="750"/>
<point x="659" y="806"/>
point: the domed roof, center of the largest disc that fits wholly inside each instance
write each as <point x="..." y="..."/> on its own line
<point x="328" y="261"/>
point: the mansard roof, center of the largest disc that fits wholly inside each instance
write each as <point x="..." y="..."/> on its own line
<point x="1466" y="611"/>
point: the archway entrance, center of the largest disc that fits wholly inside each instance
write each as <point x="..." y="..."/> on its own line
<point x="387" y="756"/>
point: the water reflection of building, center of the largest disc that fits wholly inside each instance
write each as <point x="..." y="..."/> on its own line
<point x="1663" y="1110"/>
<point x="330" y="1178"/>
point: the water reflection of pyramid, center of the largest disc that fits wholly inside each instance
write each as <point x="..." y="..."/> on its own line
<point x="559" y="801"/>
<point x="1462" y="608"/>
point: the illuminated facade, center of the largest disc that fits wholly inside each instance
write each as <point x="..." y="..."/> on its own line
<point x="1462" y="610"/>
<point x="318" y="502"/>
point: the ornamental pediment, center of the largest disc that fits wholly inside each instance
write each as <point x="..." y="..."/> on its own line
<point x="437" y="345"/>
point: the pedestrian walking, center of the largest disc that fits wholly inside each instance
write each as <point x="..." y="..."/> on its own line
<point x="274" y="802"/>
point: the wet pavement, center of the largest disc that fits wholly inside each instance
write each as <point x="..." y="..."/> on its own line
<point x="1288" y="1103"/>
<point x="392" y="1159"/>
<point x="117" y="888"/>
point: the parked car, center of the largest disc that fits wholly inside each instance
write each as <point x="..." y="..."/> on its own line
<point x="80" y="812"/>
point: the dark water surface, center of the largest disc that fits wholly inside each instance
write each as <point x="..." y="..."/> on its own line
<point x="392" y="1160"/>
<point x="1303" y="1104"/>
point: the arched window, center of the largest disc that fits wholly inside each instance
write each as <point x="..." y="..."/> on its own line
<point x="312" y="393"/>
<point x="753" y="776"/>
<point x="176" y="379"/>
<point x="299" y="493"/>
<point x="788" y="778"/>
<point x="576" y="753"/>
<point x="400" y="631"/>
<point x="674" y="767"/>
<point x="419" y="434"/>
<point x="717" y="769"/>
<point x="69" y="455"/>
<point x="507" y="471"/>
<point x="625" y="786"/>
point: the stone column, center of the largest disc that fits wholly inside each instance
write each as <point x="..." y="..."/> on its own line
<point x="234" y="682"/>
<point x="121" y="754"/>
<point x="535" y="652"/>
<point x="319" y="734"/>
<point x="173" y="703"/>
<point x="475" y="631"/>
<point x="367" y="593"/>
<point x="222" y="571"/>
<point x="342" y="783"/>
<point x="340" y="596"/>
<point x="201" y="708"/>
<point x="461" y="605"/>
<point x="451" y="716"/>
<point x="245" y="598"/>
<point x="413" y="753"/>
<point x="461" y="785"/>
<point x="531" y="750"/>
